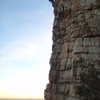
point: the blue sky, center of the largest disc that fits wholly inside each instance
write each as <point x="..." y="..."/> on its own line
<point x="25" y="47"/>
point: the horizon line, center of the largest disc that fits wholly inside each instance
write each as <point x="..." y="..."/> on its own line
<point x="21" y="98"/>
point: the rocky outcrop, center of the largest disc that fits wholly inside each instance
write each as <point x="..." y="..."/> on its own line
<point x="76" y="45"/>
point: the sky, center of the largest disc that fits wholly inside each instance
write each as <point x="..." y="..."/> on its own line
<point x="25" y="47"/>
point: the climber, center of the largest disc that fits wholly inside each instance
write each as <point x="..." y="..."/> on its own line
<point x="52" y="1"/>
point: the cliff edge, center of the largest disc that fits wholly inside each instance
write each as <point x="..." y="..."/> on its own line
<point x="76" y="46"/>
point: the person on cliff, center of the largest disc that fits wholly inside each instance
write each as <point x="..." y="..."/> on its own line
<point x="52" y="1"/>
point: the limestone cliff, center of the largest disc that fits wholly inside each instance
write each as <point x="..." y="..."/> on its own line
<point x="76" y="46"/>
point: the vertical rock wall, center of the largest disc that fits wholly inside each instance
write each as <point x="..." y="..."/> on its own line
<point x="76" y="45"/>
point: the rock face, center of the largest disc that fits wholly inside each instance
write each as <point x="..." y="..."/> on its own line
<point x="76" y="45"/>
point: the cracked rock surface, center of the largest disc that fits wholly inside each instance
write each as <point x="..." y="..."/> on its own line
<point x="76" y="45"/>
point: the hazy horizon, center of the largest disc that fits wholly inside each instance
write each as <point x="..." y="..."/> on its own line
<point x="21" y="98"/>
